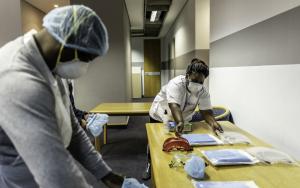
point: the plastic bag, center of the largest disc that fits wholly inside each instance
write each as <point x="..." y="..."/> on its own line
<point x="271" y="156"/>
<point x="229" y="157"/>
<point x="132" y="183"/>
<point x="195" y="167"/>
<point x="229" y="137"/>
<point x="179" y="160"/>
<point x="224" y="184"/>
<point x="95" y="123"/>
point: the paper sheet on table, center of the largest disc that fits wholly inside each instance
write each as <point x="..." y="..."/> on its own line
<point x="229" y="157"/>
<point x="224" y="184"/>
<point x="202" y="139"/>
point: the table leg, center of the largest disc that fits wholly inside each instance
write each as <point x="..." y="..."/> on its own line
<point x="97" y="143"/>
<point x="105" y="134"/>
<point x="97" y="139"/>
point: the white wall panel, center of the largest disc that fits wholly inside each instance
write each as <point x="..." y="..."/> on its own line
<point x="264" y="100"/>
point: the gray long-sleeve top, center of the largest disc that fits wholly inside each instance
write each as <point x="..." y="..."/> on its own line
<point x="36" y="147"/>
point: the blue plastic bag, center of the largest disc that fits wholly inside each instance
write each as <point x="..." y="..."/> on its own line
<point x="201" y="139"/>
<point x="132" y="183"/>
<point x="95" y="123"/>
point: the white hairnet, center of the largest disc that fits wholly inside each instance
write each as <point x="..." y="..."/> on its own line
<point x="77" y="27"/>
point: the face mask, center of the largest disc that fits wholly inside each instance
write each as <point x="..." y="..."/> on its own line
<point x="71" y="69"/>
<point x="194" y="87"/>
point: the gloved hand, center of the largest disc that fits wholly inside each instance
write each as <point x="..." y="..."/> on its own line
<point x="195" y="167"/>
<point x="132" y="183"/>
<point x="95" y="123"/>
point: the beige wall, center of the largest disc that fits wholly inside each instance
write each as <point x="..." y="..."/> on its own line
<point x="183" y="30"/>
<point x="190" y="32"/>
<point x="10" y="20"/>
<point x="32" y="17"/>
<point x="202" y="23"/>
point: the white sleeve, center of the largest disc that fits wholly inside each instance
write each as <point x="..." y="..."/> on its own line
<point x="204" y="100"/>
<point x="174" y="92"/>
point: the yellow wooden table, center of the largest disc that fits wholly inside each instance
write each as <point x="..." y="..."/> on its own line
<point x="265" y="176"/>
<point x="120" y="109"/>
<point x="123" y="109"/>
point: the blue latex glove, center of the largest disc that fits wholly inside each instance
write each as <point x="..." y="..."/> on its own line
<point x="195" y="167"/>
<point x="132" y="183"/>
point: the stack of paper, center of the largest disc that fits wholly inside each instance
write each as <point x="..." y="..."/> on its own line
<point x="202" y="139"/>
<point x="229" y="157"/>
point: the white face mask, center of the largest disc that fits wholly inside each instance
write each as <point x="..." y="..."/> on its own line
<point x="194" y="87"/>
<point x="70" y="69"/>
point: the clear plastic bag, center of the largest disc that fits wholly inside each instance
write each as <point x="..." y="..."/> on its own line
<point x="271" y="156"/>
<point x="179" y="160"/>
<point x="229" y="157"/>
<point x="229" y="137"/>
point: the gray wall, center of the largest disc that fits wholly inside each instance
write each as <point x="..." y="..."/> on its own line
<point x="107" y="79"/>
<point x="230" y="16"/>
<point x="10" y="20"/>
<point x="275" y="41"/>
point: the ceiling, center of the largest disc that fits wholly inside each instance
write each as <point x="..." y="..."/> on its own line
<point x="152" y="29"/>
<point x="47" y="5"/>
<point x="139" y="12"/>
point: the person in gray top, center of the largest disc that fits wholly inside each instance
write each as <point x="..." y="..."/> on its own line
<point x="41" y="141"/>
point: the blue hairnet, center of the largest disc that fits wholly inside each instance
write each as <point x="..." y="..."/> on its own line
<point x="77" y="27"/>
